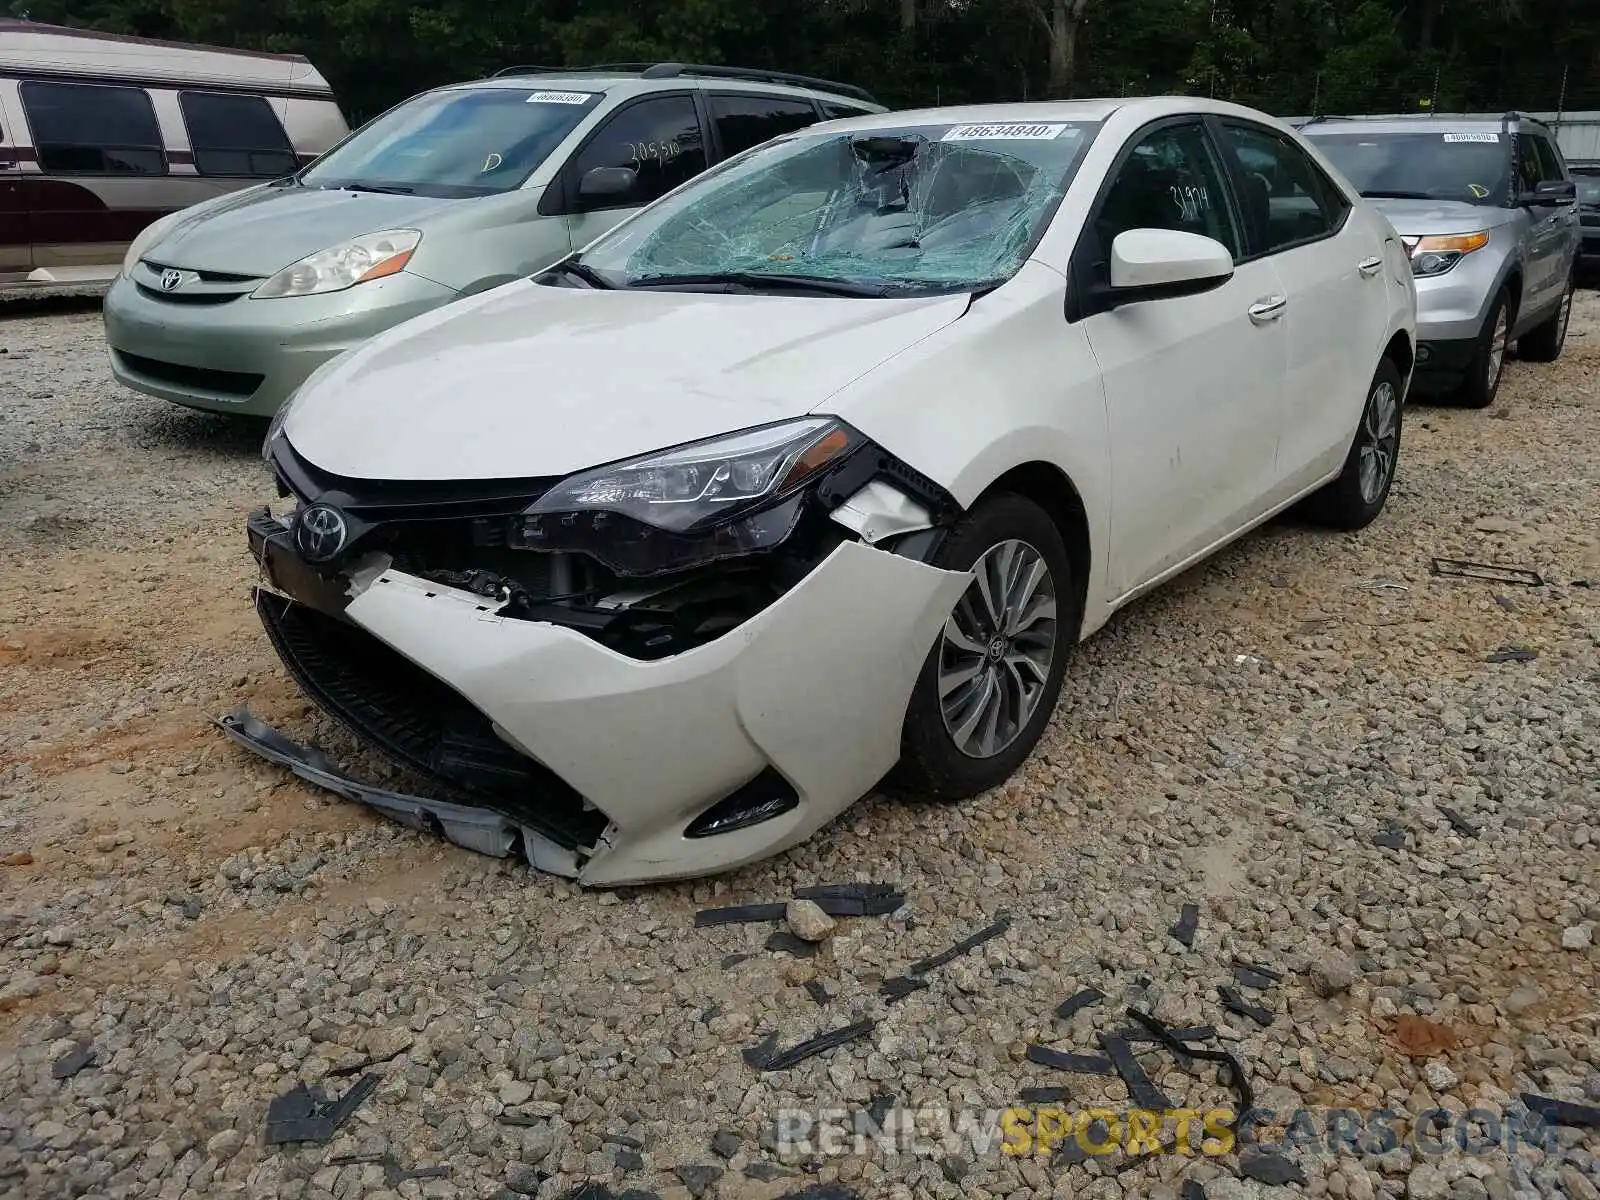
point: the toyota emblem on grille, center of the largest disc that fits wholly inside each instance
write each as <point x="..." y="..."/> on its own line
<point x="320" y="533"/>
<point x="171" y="280"/>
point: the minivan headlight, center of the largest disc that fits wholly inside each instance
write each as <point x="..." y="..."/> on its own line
<point x="361" y="259"/>
<point x="1436" y="255"/>
<point x="147" y="239"/>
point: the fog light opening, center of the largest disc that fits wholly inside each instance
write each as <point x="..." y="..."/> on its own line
<point x="766" y="796"/>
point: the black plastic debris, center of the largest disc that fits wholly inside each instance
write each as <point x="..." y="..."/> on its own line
<point x="1511" y="654"/>
<point x="1251" y="978"/>
<point x="1391" y="837"/>
<point x="730" y="961"/>
<point x="1186" y="1033"/>
<point x="306" y="1114"/>
<point x="738" y="914"/>
<point x="1066" y="1060"/>
<point x="1071" y="1006"/>
<point x="1459" y="823"/>
<point x="1563" y="1112"/>
<point x="785" y="942"/>
<point x="965" y="946"/>
<point x="766" y="1172"/>
<point x="621" y="1139"/>
<point x="900" y="987"/>
<point x="765" y="1056"/>
<point x="1265" y="972"/>
<point x="1141" y="1091"/>
<point x="73" y="1061"/>
<point x="1044" y="1095"/>
<point x="1188" y="923"/>
<point x="1235" y="1003"/>
<point x="393" y="1173"/>
<point x="1166" y="1036"/>
<point x="1462" y="569"/>
<point x="854" y="899"/>
<point x="357" y="1067"/>
<point x="816" y="991"/>
<point x="1193" y="1189"/>
<point x="1268" y="1166"/>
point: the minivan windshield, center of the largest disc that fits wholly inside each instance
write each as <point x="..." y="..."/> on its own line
<point x="461" y="142"/>
<point x="1438" y="165"/>
<point x="898" y="210"/>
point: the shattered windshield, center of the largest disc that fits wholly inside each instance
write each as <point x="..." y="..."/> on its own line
<point x="891" y="211"/>
<point x="1475" y="167"/>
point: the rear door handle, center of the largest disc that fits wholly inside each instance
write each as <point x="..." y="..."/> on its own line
<point x="1268" y="309"/>
<point x="1370" y="267"/>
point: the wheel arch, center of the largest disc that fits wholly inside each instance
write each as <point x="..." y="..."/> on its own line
<point x="1401" y="352"/>
<point x="1048" y="486"/>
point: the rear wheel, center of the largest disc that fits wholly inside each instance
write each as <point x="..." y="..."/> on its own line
<point x="991" y="681"/>
<point x="1482" y="383"/>
<point x="1358" y="495"/>
<point x="1543" y="343"/>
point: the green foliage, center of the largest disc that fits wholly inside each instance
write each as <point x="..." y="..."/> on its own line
<point x="1288" y="56"/>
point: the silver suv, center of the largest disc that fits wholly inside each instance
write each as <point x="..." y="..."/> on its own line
<point x="1488" y="210"/>
<point x="231" y="304"/>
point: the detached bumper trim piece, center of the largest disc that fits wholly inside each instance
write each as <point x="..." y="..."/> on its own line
<point x="479" y="829"/>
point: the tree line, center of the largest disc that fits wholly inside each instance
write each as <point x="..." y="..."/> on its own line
<point x="1291" y="57"/>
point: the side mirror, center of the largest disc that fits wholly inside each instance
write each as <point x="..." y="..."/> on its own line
<point x="1161" y="264"/>
<point x="607" y="183"/>
<point x="1551" y="191"/>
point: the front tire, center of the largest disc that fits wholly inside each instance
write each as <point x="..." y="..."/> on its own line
<point x="1354" y="500"/>
<point x="1487" y="368"/>
<point x="1545" y="341"/>
<point x="992" y="678"/>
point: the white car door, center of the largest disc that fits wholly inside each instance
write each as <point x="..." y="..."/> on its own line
<point x="1192" y="383"/>
<point x="1332" y="269"/>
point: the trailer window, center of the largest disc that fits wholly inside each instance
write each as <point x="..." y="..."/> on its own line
<point x="236" y="135"/>
<point x="93" y="129"/>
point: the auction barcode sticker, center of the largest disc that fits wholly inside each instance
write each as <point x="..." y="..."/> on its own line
<point x="1007" y="133"/>
<point x="1492" y="139"/>
<point x="559" y="97"/>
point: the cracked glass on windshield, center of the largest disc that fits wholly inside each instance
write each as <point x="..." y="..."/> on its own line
<point x="891" y="211"/>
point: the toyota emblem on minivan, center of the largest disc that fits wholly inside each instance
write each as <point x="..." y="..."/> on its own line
<point x="171" y="280"/>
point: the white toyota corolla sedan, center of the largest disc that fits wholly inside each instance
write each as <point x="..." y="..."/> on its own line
<point x="811" y="475"/>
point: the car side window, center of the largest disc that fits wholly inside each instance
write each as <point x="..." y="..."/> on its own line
<point x="834" y="111"/>
<point x="744" y="120"/>
<point x="659" y="139"/>
<point x="1530" y="164"/>
<point x="93" y="129"/>
<point x="1172" y="179"/>
<point x="1287" y="200"/>
<point x="236" y="135"/>
<point x="1549" y="159"/>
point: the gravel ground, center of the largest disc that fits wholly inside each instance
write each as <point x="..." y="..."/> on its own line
<point x="210" y="930"/>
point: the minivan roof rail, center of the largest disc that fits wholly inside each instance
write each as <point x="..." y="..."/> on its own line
<point x="673" y="70"/>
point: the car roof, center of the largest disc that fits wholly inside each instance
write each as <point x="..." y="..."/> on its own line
<point x="628" y="83"/>
<point x="1418" y="122"/>
<point x="1143" y="107"/>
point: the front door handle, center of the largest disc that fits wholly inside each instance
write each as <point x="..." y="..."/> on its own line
<point x="1370" y="267"/>
<point x="1268" y="309"/>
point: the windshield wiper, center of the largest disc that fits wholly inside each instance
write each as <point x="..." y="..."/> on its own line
<point x="762" y="279"/>
<point x="387" y="189"/>
<point x="1379" y="194"/>
<point x="578" y="270"/>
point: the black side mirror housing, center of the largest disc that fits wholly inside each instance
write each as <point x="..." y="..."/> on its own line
<point x="607" y="183"/>
<point x="1551" y="191"/>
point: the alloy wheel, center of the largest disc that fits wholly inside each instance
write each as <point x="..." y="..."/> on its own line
<point x="1380" y="441"/>
<point x="1497" y="348"/>
<point x="997" y="648"/>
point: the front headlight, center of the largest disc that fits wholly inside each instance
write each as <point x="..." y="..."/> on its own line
<point x="147" y="239"/>
<point x="692" y="504"/>
<point x="370" y="256"/>
<point x="1436" y="255"/>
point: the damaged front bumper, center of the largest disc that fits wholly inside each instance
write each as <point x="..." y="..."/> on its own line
<point x="591" y="763"/>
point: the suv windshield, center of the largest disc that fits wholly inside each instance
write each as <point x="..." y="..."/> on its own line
<point x="1438" y="165"/>
<point x="470" y="142"/>
<point x="892" y="211"/>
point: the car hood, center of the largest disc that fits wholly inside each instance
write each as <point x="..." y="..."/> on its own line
<point x="261" y="231"/>
<point x="531" y="380"/>
<point x="1423" y="218"/>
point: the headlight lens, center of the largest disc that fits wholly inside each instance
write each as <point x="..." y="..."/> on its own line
<point x="692" y="504"/>
<point x="1436" y="255"/>
<point x="370" y="256"/>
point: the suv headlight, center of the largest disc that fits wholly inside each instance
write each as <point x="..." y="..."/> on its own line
<point x="1436" y="255"/>
<point x="692" y="504"/>
<point x="370" y="256"/>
